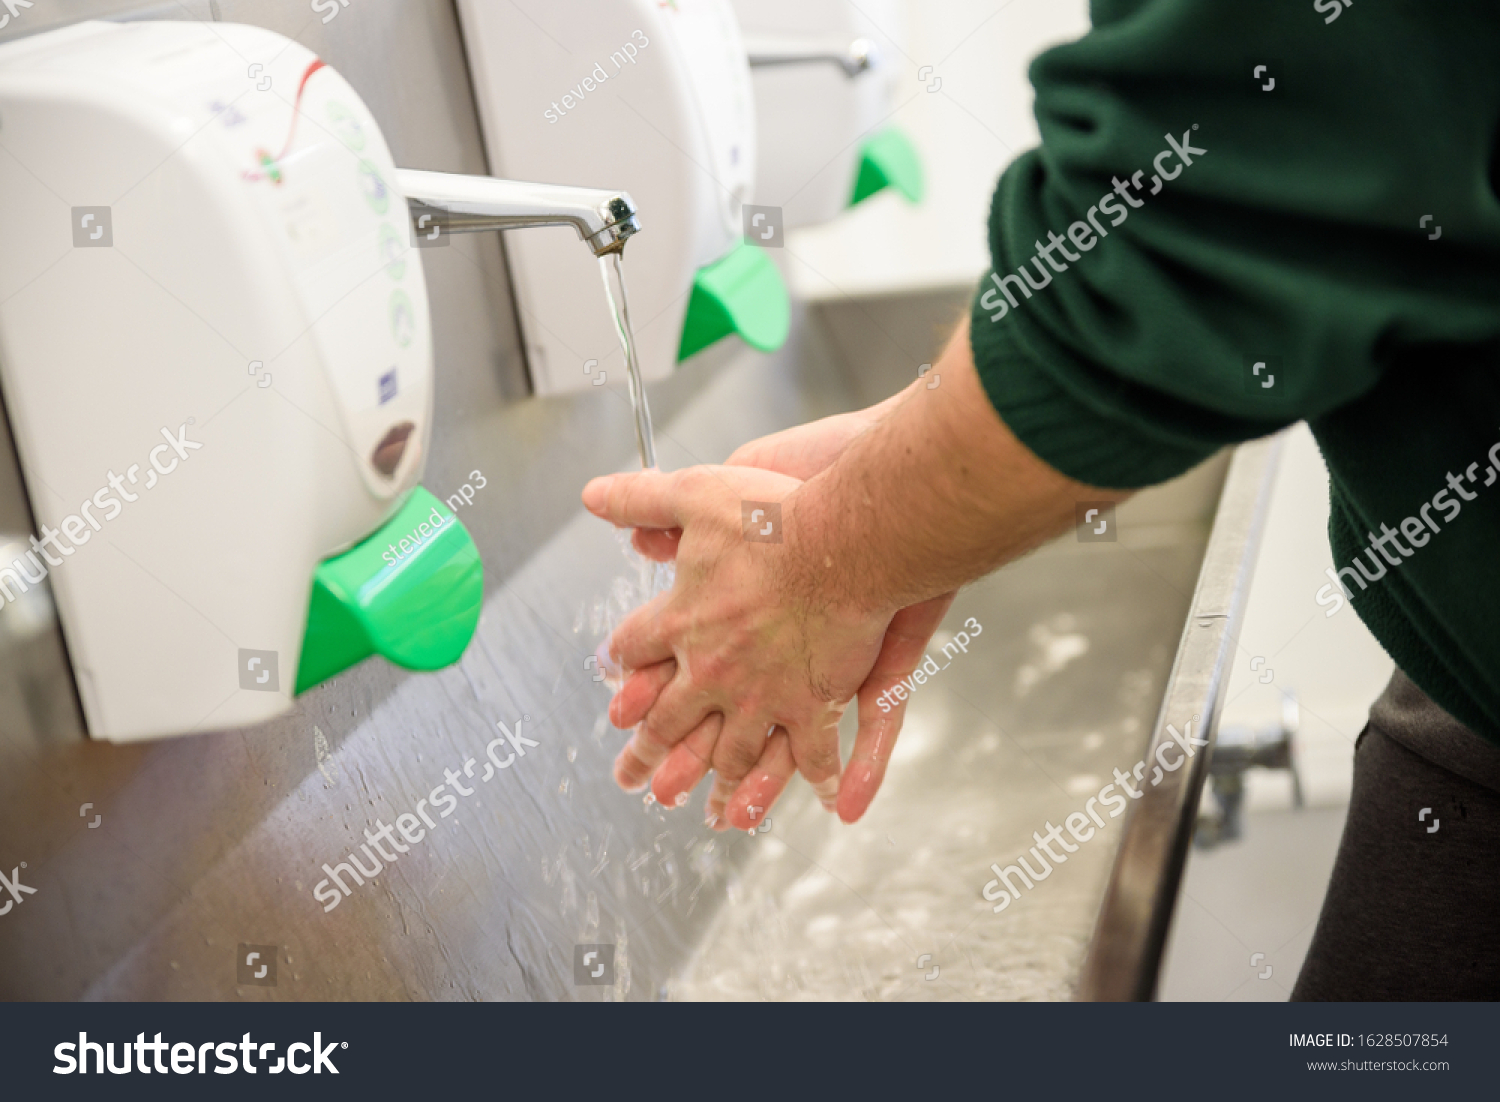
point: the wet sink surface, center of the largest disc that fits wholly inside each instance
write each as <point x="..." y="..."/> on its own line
<point x="220" y="840"/>
<point x="1059" y="689"/>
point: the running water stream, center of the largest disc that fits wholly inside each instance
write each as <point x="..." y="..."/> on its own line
<point x="650" y="578"/>
<point x="644" y="437"/>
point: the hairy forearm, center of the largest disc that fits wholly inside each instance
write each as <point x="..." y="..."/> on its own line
<point x="936" y="493"/>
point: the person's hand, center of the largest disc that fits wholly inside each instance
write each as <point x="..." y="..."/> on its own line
<point x="798" y="452"/>
<point x="746" y="805"/>
<point x="970" y="496"/>
<point x="905" y="643"/>
<point x="804" y="450"/>
<point x="741" y="645"/>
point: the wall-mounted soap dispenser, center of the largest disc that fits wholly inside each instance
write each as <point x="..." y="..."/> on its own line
<point x="825" y="90"/>
<point x="216" y="360"/>
<point x="652" y="97"/>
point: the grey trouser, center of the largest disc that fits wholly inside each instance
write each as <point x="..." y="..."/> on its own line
<point x="1413" y="906"/>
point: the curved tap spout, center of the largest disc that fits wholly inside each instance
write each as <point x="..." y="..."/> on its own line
<point x="605" y="220"/>
<point x="853" y="59"/>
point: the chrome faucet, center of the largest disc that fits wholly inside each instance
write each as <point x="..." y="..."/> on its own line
<point x="454" y="203"/>
<point x="853" y="59"/>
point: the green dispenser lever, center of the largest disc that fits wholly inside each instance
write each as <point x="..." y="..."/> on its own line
<point x="888" y="159"/>
<point x="742" y="293"/>
<point x="410" y="592"/>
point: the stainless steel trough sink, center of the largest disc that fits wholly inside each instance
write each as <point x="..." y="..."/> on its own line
<point x="210" y="843"/>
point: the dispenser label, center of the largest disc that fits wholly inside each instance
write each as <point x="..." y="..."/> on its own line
<point x="373" y="187"/>
<point x="403" y="318"/>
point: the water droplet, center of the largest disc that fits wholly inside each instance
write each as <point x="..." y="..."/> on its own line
<point x="682" y="798"/>
<point x="572" y="753"/>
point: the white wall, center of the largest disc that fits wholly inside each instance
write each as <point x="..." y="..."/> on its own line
<point x="973" y="123"/>
<point x="1334" y="664"/>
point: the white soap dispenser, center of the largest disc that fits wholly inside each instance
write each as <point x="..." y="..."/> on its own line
<point x="654" y="98"/>
<point x="825" y="75"/>
<point x="216" y="360"/>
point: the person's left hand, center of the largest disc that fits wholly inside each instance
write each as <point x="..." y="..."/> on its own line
<point x="756" y="650"/>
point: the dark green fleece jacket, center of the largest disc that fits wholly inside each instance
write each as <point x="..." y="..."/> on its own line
<point x="1262" y="211"/>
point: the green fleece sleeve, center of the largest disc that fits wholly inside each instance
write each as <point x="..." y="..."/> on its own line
<point x="1233" y="185"/>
